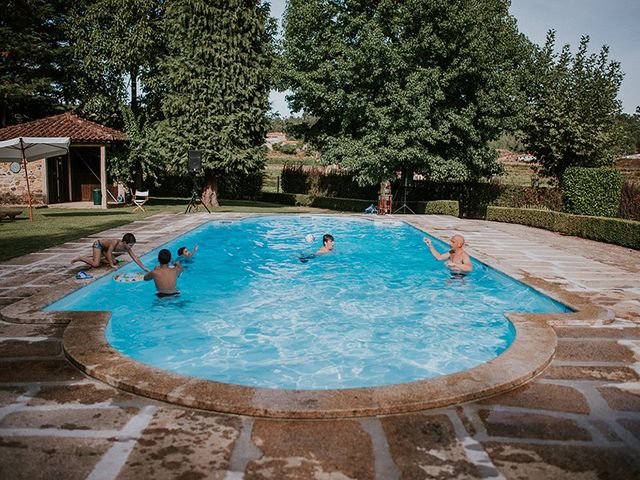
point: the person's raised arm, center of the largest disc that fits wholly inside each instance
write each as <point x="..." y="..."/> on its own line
<point x="148" y="276"/>
<point x="437" y="255"/>
<point x="179" y="268"/>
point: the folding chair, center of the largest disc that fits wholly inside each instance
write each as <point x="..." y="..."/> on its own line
<point x="140" y="199"/>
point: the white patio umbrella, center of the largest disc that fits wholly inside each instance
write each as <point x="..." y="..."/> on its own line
<point x="28" y="149"/>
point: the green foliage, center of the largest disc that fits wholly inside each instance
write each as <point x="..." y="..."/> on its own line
<point x="34" y="62"/>
<point x="508" y="141"/>
<point x="286" y="148"/>
<point x="630" y="201"/>
<point x="592" y="191"/>
<point x="442" y="207"/>
<point x="630" y="126"/>
<point x="438" y="207"/>
<point x="294" y="127"/>
<point x="610" y="230"/>
<point x="573" y="106"/>
<point x="423" y="84"/>
<point x="216" y="83"/>
<point x="133" y="163"/>
<point x="116" y="42"/>
<point x="295" y="179"/>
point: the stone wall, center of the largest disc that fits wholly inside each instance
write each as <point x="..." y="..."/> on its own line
<point x="13" y="186"/>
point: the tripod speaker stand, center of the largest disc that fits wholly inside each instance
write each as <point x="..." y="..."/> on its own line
<point x="404" y="208"/>
<point x="196" y="200"/>
<point x="194" y="165"/>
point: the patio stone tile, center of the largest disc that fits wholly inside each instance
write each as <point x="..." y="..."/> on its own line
<point x="38" y="371"/>
<point x="83" y="394"/>
<point x="607" y="432"/>
<point x="590" y="332"/>
<point x="26" y="259"/>
<point x="426" y="446"/>
<point x="311" y="449"/>
<point x="553" y="462"/>
<point x="531" y="425"/>
<point x="32" y="458"/>
<point x="65" y="419"/>
<point x="543" y="396"/>
<point x="632" y="426"/>
<point x="600" y="351"/>
<point x="8" y="300"/>
<point x="30" y="330"/>
<point x="20" y="348"/>
<point x="183" y="444"/>
<point x="621" y="400"/>
<point x="9" y="395"/>
<point x="611" y="374"/>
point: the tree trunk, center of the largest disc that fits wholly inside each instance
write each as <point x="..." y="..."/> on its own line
<point x="134" y="91"/>
<point x="210" y="190"/>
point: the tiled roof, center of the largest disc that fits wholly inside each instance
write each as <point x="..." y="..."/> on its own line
<point x="64" y="125"/>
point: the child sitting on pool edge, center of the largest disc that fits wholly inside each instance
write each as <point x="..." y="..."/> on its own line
<point x="457" y="259"/>
<point x="165" y="277"/>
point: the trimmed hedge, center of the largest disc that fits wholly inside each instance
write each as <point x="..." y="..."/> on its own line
<point x="438" y="207"/>
<point x="592" y="191"/>
<point x="602" y="229"/>
<point x="472" y="198"/>
<point x="442" y="207"/>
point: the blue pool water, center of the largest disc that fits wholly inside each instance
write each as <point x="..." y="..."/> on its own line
<point x="379" y="310"/>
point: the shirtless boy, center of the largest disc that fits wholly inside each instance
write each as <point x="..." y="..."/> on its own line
<point x="165" y="277"/>
<point x="327" y="244"/>
<point x="457" y="259"/>
<point x="107" y="247"/>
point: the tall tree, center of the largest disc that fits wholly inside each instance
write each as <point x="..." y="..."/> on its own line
<point x="573" y="108"/>
<point x="421" y="84"/>
<point x="216" y="86"/>
<point x="117" y="44"/>
<point x="33" y="58"/>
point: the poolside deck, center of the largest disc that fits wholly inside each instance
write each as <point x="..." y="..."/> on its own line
<point x="579" y="419"/>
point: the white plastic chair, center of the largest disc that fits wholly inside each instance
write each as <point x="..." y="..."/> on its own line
<point x="140" y="199"/>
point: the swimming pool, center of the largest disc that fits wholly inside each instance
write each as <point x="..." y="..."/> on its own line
<point x="378" y="311"/>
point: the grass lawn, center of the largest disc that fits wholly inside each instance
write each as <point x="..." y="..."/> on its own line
<point x="54" y="226"/>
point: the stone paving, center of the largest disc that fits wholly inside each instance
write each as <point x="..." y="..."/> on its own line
<point x="579" y="419"/>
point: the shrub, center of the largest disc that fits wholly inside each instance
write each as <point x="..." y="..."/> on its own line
<point x="630" y="200"/>
<point x="286" y="148"/>
<point x="610" y="230"/>
<point x="242" y="185"/>
<point x="592" y="191"/>
<point x="295" y="179"/>
<point x="436" y="207"/>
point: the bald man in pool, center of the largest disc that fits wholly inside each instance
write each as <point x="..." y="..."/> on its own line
<point x="457" y="259"/>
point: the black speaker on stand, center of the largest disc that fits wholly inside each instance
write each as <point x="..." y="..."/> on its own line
<point x="404" y="208"/>
<point x="194" y="165"/>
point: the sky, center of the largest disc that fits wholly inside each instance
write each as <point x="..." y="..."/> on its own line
<point x="607" y="22"/>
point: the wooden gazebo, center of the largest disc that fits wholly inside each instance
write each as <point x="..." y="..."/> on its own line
<point x="72" y="177"/>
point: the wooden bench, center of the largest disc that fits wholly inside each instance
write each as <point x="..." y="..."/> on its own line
<point x="10" y="214"/>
